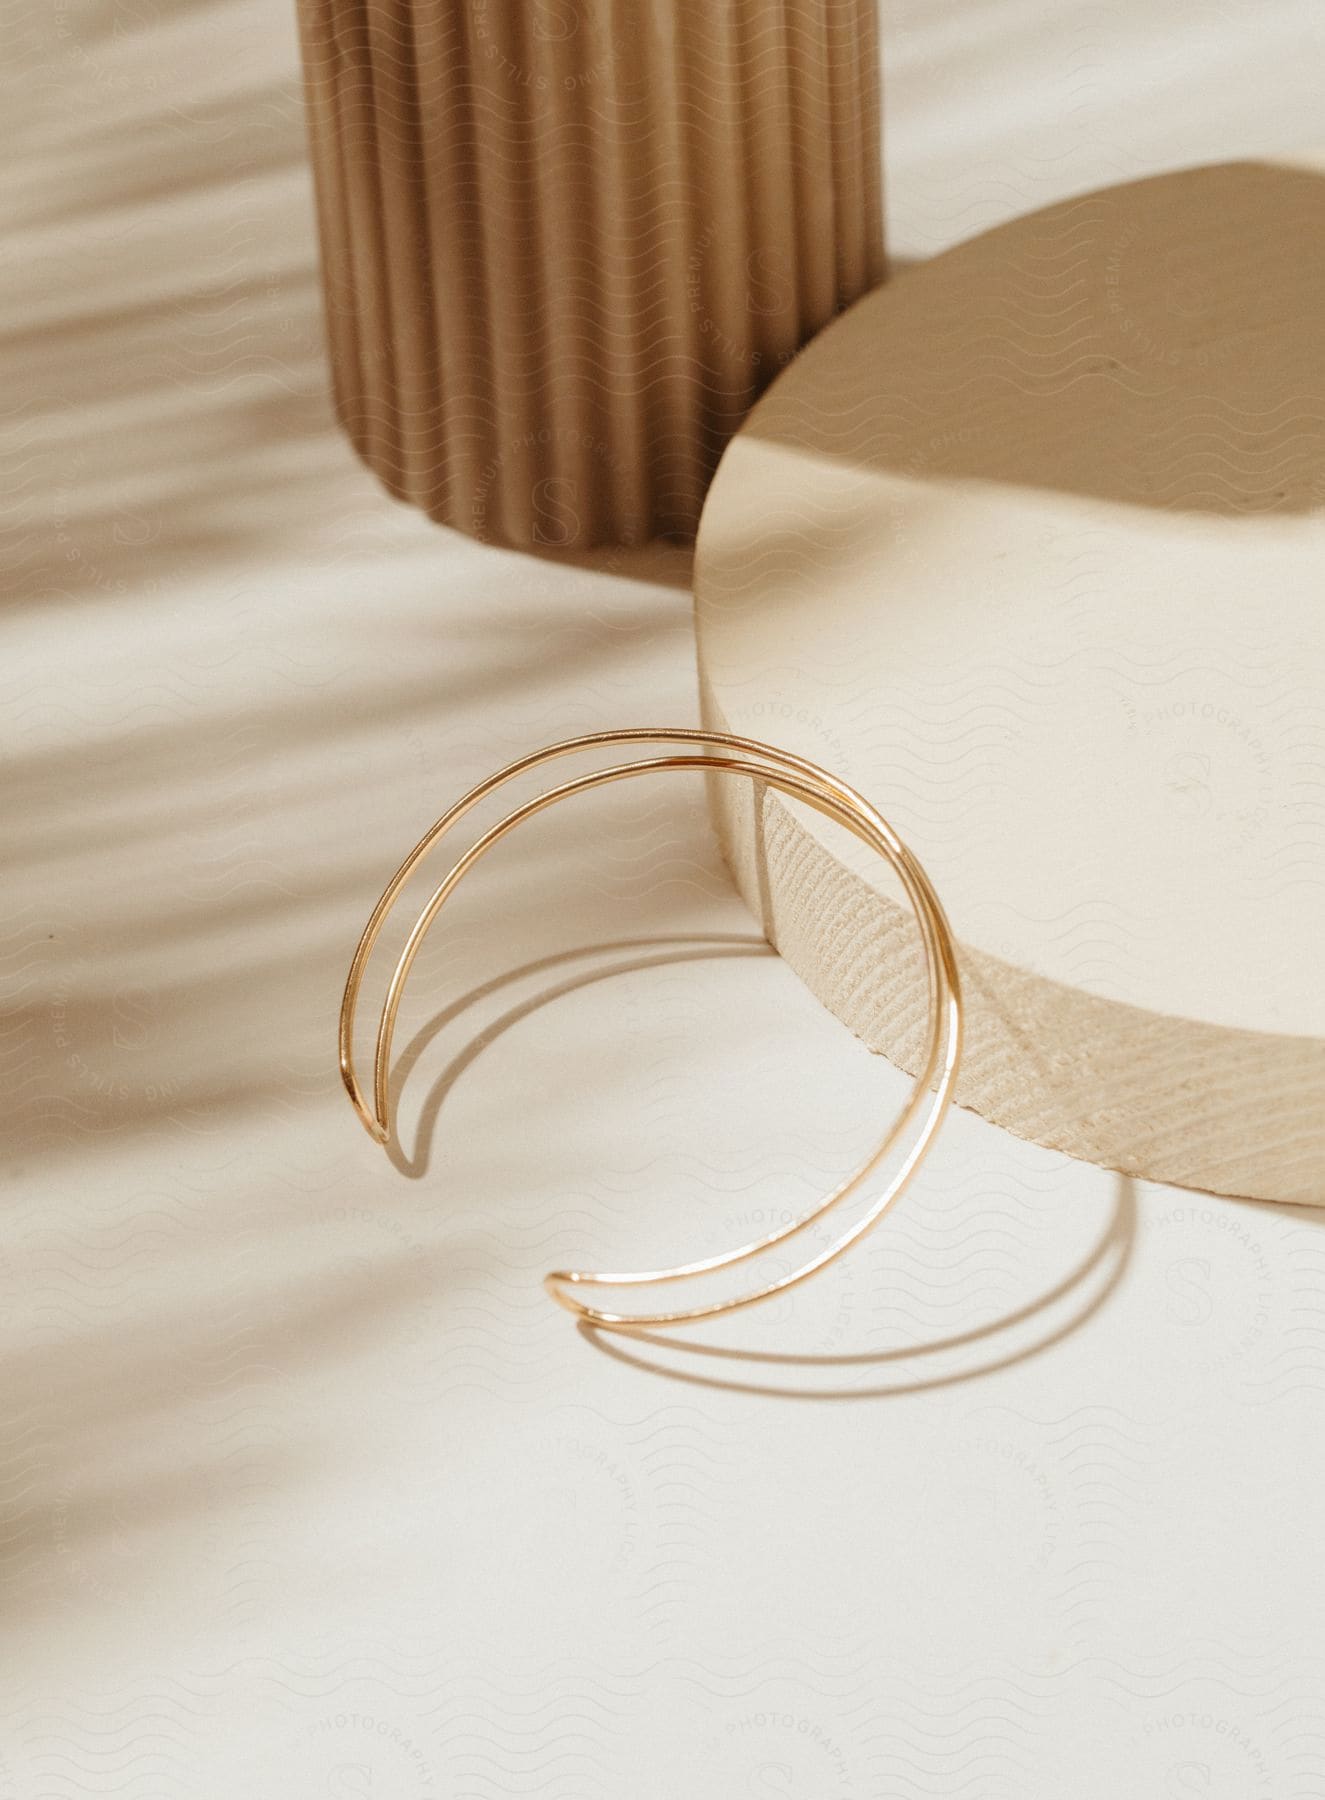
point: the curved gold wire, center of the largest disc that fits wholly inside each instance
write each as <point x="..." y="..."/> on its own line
<point x="804" y="781"/>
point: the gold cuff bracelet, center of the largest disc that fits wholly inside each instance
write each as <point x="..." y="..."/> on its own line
<point x="791" y="775"/>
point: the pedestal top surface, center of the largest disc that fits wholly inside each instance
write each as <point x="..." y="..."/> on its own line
<point x="1030" y="547"/>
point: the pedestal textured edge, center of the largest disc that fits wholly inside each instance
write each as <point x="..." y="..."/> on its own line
<point x="1050" y="1063"/>
<point x="566" y="243"/>
<point x="1148" y="355"/>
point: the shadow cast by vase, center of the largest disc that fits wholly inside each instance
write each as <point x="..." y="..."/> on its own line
<point x="1128" y="344"/>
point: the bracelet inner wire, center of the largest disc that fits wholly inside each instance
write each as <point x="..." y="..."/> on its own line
<point x="792" y="775"/>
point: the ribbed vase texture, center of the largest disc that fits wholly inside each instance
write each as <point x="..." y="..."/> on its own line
<point x="566" y="243"/>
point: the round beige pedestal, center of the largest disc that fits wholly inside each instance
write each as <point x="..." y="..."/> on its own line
<point x="565" y="243"/>
<point x="1030" y="547"/>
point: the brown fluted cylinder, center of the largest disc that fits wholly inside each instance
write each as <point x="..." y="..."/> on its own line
<point x="566" y="243"/>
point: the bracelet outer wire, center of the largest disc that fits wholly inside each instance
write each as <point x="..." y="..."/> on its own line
<point x="817" y="789"/>
<point x="377" y="1126"/>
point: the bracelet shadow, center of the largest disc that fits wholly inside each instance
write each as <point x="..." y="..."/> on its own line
<point x="691" y="947"/>
<point x="1090" y="1283"/>
<point x="1110" y="1256"/>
